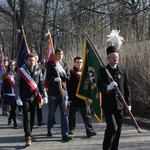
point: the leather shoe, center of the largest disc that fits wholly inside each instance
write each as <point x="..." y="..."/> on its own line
<point x="9" y="121"/>
<point x="71" y="132"/>
<point x="66" y="138"/>
<point x="28" y="141"/>
<point x="16" y="126"/>
<point x="92" y="133"/>
<point x="49" y="133"/>
<point x="41" y="123"/>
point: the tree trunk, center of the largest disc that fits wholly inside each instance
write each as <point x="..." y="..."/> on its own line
<point x="43" y="27"/>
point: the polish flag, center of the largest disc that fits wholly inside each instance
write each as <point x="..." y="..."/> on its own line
<point x="49" y="55"/>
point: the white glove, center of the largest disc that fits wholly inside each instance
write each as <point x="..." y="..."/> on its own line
<point x="68" y="103"/>
<point x="129" y="107"/>
<point x="19" y="102"/>
<point x="59" y="68"/>
<point x="111" y="85"/>
<point x="58" y="79"/>
<point x="45" y="100"/>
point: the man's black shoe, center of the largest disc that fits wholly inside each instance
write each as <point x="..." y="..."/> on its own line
<point x="16" y="126"/>
<point x="71" y="132"/>
<point x="49" y="133"/>
<point x="41" y="123"/>
<point x="9" y="121"/>
<point x="92" y="133"/>
<point x="66" y="138"/>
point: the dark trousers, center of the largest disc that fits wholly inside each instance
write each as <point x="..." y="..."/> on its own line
<point x="85" y="113"/>
<point x="113" y="129"/>
<point x="13" y="114"/>
<point x="28" y="116"/>
<point x="39" y="114"/>
<point x="20" y="108"/>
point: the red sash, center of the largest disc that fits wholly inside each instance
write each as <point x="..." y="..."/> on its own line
<point x="10" y="80"/>
<point x="31" y="83"/>
<point x="75" y="73"/>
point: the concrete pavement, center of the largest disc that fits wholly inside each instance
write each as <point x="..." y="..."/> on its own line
<point x="13" y="139"/>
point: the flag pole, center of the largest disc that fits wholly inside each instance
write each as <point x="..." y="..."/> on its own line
<point x="60" y="83"/>
<point x="2" y="63"/>
<point x="116" y="88"/>
<point x="23" y="33"/>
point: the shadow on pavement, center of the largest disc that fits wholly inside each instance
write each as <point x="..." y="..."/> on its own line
<point x="10" y="139"/>
<point x="12" y="147"/>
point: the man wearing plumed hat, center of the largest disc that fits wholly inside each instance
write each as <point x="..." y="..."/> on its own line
<point x="111" y="102"/>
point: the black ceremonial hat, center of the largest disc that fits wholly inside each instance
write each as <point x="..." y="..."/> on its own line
<point x="111" y="49"/>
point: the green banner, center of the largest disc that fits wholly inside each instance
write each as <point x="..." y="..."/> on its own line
<point x="87" y="88"/>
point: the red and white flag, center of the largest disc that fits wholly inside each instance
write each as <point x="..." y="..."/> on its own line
<point x="50" y="53"/>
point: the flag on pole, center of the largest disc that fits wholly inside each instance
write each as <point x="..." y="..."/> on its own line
<point x="50" y="51"/>
<point x="87" y="87"/>
<point x="2" y="65"/>
<point x="49" y="55"/>
<point x="23" y="51"/>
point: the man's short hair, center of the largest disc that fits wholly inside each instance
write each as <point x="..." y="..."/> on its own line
<point x="29" y="55"/>
<point x="36" y="56"/>
<point x="77" y="58"/>
<point x="58" y="50"/>
<point x="6" y="58"/>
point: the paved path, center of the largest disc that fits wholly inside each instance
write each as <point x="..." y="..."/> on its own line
<point x="12" y="139"/>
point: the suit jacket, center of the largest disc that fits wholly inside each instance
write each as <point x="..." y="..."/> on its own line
<point x="72" y="89"/>
<point x="6" y="87"/>
<point x="23" y="90"/>
<point x="51" y="74"/>
<point x="110" y="99"/>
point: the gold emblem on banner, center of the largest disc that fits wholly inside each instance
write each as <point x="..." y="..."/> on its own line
<point x="92" y="77"/>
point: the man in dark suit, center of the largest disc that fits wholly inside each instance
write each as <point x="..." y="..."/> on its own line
<point x="77" y="103"/>
<point x="111" y="102"/>
<point x="29" y="87"/>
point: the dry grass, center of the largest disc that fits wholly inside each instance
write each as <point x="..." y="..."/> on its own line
<point x="136" y="58"/>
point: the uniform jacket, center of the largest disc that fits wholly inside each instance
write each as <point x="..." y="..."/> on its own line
<point x="6" y="87"/>
<point x="110" y="99"/>
<point x="72" y="88"/>
<point x="51" y="74"/>
<point x="23" y="90"/>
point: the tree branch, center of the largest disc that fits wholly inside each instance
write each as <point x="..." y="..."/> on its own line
<point x="5" y="12"/>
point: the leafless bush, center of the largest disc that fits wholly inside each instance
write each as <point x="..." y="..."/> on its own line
<point x="136" y="58"/>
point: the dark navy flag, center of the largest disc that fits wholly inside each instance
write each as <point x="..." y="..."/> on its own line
<point x="1" y="70"/>
<point x="24" y="50"/>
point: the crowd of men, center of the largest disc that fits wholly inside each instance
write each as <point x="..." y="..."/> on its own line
<point x="26" y="87"/>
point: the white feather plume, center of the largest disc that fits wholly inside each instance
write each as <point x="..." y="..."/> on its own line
<point x="115" y="39"/>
